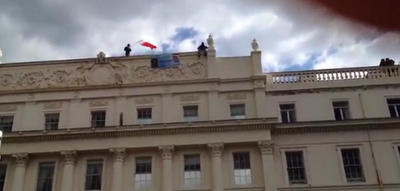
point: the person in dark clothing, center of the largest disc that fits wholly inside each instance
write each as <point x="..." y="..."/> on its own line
<point x="202" y="49"/>
<point x="127" y="50"/>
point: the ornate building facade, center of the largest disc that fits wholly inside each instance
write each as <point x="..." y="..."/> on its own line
<point x="207" y="124"/>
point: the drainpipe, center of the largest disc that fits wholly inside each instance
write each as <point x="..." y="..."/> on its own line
<point x="378" y="177"/>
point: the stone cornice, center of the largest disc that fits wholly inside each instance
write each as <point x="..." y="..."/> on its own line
<point x="137" y="130"/>
<point x="336" y="126"/>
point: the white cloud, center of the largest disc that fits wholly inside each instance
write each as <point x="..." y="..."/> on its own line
<point x="287" y="31"/>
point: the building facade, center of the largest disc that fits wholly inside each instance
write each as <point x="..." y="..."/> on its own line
<point x="207" y="124"/>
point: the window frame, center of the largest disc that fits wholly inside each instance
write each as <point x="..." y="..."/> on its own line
<point x="190" y="118"/>
<point x="231" y="164"/>
<point x="54" y="179"/>
<point x="51" y="113"/>
<point x="244" y="116"/>
<point x="91" y="117"/>
<point x="9" y="115"/>
<point x="396" y="150"/>
<point x="304" y="150"/>
<point x="387" y="106"/>
<point x="87" y="159"/>
<point x="294" y="110"/>
<point x="362" y="161"/>
<point x="201" y="170"/>
<point x="344" y="116"/>
<point x="144" y="121"/>
<point x="7" y="174"/>
<point x="153" y="169"/>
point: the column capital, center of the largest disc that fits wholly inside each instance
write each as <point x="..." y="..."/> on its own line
<point x="118" y="154"/>
<point x="216" y="149"/>
<point x="166" y="151"/>
<point x="69" y="157"/>
<point x="21" y="159"/>
<point x="266" y="147"/>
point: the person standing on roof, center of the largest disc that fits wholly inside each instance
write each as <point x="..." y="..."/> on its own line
<point x="127" y="50"/>
<point x="202" y="49"/>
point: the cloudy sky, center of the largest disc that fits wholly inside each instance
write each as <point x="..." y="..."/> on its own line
<point x="292" y="35"/>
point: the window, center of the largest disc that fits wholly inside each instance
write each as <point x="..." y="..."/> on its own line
<point x="143" y="173"/>
<point x="394" y="107"/>
<point x="295" y="167"/>
<point x="98" y="118"/>
<point x="144" y="115"/>
<point x="3" y="173"/>
<point x="45" y="176"/>
<point x="51" y="121"/>
<point x="242" y="169"/>
<point x="352" y="165"/>
<point x="94" y="173"/>
<point x="288" y="113"/>
<point x="192" y="170"/>
<point x="6" y="123"/>
<point x="341" y="110"/>
<point x="238" y="111"/>
<point x="190" y="113"/>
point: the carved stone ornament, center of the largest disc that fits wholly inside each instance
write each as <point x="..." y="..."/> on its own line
<point x="8" y="108"/>
<point x="266" y="147"/>
<point x="166" y="151"/>
<point x="52" y="105"/>
<point x="254" y="45"/>
<point x="21" y="159"/>
<point x="98" y="103"/>
<point x="144" y="100"/>
<point x="69" y="157"/>
<point x="237" y="96"/>
<point x="259" y="84"/>
<point x="216" y="149"/>
<point x="189" y="98"/>
<point x="118" y="154"/>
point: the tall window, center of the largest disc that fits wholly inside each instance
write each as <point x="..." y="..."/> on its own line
<point x="144" y="115"/>
<point x="341" y="110"/>
<point x="190" y="113"/>
<point x="51" y="121"/>
<point x="3" y="173"/>
<point x="6" y="123"/>
<point x="295" y="167"/>
<point x="288" y="113"/>
<point x="94" y="173"/>
<point x="192" y="170"/>
<point x="238" y="111"/>
<point x="242" y="169"/>
<point x="352" y="165"/>
<point x="143" y="173"/>
<point x="45" y="176"/>
<point x="394" y="107"/>
<point x="98" y="118"/>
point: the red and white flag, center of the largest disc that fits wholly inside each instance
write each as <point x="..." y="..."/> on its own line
<point x="147" y="44"/>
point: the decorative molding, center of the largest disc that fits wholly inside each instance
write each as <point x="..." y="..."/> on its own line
<point x="190" y="98"/>
<point x="80" y="133"/>
<point x="69" y="157"/>
<point x="98" y="103"/>
<point x="266" y="147"/>
<point x="259" y="84"/>
<point x="144" y="100"/>
<point x="21" y="159"/>
<point x="8" y="108"/>
<point x="236" y="96"/>
<point x="52" y="105"/>
<point x="166" y="151"/>
<point x="118" y="154"/>
<point x="213" y="87"/>
<point x="216" y="149"/>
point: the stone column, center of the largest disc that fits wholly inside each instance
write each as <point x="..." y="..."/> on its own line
<point x="68" y="171"/>
<point x="118" y="166"/>
<point x="166" y="153"/>
<point x="217" y="171"/>
<point x="267" y="149"/>
<point x="21" y="161"/>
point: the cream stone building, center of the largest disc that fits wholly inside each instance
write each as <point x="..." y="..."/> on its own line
<point x="208" y="124"/>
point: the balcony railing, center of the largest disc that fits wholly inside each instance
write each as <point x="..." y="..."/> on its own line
<point x="333" y="77"/>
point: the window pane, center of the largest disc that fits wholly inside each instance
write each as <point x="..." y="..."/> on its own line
<point x="94" y="172"/>
<point x="352" y="165"/>
<point x="3" y="171"/>
<point x="6" y="123"/>
<point x="295" y="167"/>
<point x="45" y="176"/>
<point x="98" y="118"/>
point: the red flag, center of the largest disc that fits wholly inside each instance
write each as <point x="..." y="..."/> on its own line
<point x="147" y="44"/>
